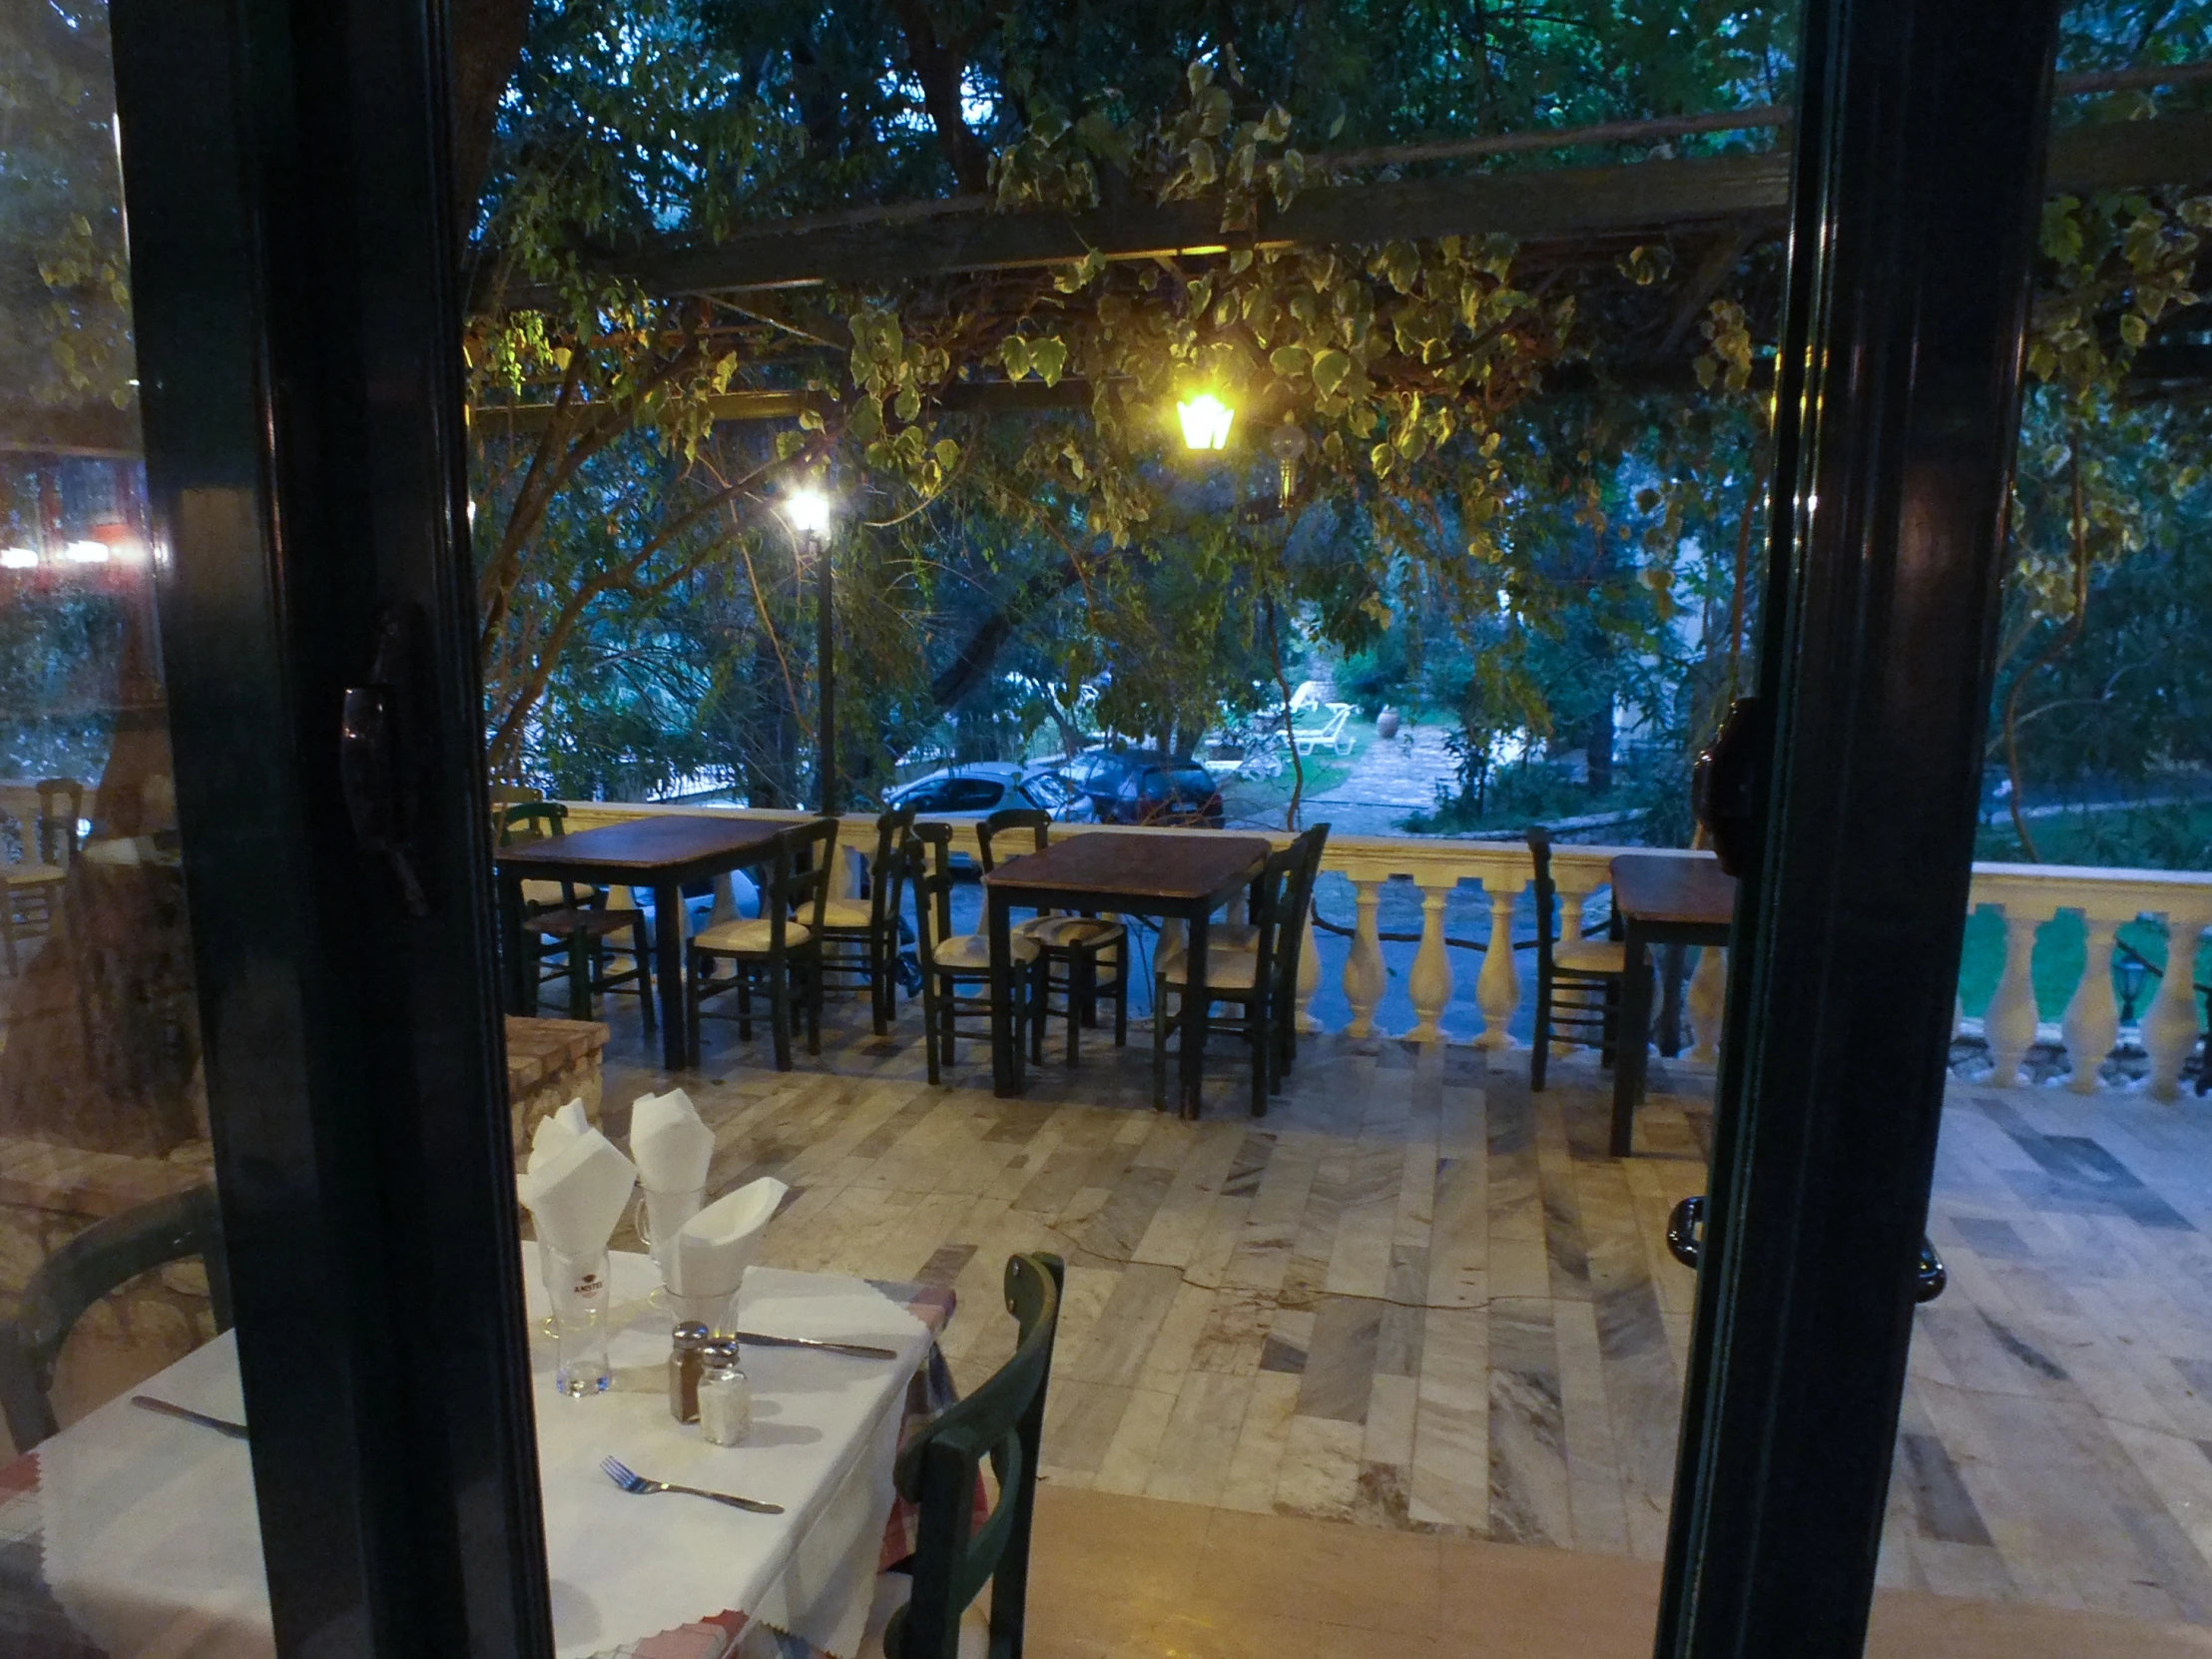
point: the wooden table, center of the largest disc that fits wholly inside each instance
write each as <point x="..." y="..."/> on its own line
<point x="661" y="852"/>
<point x="1131" y="872"/>
<point x="1658" y="899"/>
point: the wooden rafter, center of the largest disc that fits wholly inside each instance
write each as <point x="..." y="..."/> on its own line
<point x="1561" y="211"/>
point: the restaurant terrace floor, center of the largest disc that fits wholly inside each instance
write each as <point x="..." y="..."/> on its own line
<point x="1419" y="1300"/>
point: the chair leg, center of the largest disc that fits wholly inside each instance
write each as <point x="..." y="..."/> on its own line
<point x="817" y="973"/>
<point x="1121" y="997"/>
<point x="1539" y="1050"/>
<point x="1609" y="1045"/>
<point x="744" y="1006"/>
<point x="1082" y="974"/>
<point x="947" y="1020"/>
<point x="578" y="976"/>
<point x="878" y="984"/>
<point x="1040" y="1006"/>
<point x="929" y="1026"/>
<point x="642" y="954"/>
<point x="7" y="929"/>
<point x="1263" y="1053"/>
<point x="1162" y="1026"/>
<point x="696" y="978"/>
<point x="780" y="1011"/>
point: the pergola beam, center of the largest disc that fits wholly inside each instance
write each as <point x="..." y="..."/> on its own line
<point x="1558" y="210"/>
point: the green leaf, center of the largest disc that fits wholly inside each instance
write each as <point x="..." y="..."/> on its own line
<point x="910" y="402"/>
<point x="1048" y="356"/>
<point x="1290" y="361"/>
<point x="866" y="420"/>
<point x="1328" y="371"/>
<point x="789" y="443"/>
<point x="947" y="453"/>
<point x="1013" y="352"/>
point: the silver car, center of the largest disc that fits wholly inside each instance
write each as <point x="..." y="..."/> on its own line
<point x="980" y="787"/>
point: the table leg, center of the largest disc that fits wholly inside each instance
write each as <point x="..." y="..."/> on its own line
<point x="668" y="962"/>
<point x="1635" y="1039"/>
<point x="1005" y="1027"/>
<point x="512" y="950"/>
<point x="1195" y="1008"/>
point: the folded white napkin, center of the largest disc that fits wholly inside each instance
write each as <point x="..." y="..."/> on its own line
<point x="718" y="1243"/>
<point x="555" y="1133"/>
<point x="671" y="1146"/>
<point x="578" y="1193"/>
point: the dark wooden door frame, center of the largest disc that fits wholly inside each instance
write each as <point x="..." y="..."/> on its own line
<point x="1920" y="162"/>
<point x="297" y="331"/>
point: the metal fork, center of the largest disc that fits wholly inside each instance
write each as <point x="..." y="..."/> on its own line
<point x="631" y="1482"/>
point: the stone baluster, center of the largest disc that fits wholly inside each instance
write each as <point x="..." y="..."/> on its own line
<point x="1708" y="1003"/>
<point x="1309" y="979"/>
<point x="1430" y="981"/>
<point x="1364" y="977"/>
<point x="2170" y="1024"/>
<point x="2009" y="1024"/>
<point x="2092" y="1020"/>
<point x="1498" y="989"/>
<point x="1572" y="903"/>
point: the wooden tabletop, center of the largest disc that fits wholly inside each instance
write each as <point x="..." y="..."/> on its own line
<point x="1683" y="889"/>
<point x="1136" y="864"/>
<point x="643" y="845"/>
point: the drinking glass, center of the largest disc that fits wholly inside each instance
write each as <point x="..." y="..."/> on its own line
<point x="578" y="1288"/>
<point x="661" y="1215"/>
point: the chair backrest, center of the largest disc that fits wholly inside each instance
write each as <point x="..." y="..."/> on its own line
<point x="536" y="819"/>
<point x="925" y="866"/>
<point x="60" y="805"/>
<point x="1005" y="1422"/>
<point x="103" y="1258"/>
<point x="1539" y="855"/>
<point x="799" y="887"/>
<point x="884" y="873"/>
<point x="1004" y="823"/>
<point x="1296" y="901"/>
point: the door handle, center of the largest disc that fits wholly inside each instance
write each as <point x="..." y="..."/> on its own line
<point x="375" y="761"/>
<point x="1686" y="1240"/>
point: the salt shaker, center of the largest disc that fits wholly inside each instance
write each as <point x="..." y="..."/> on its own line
<point x="724" y="1398"/>
<point x="684" y="1369"/>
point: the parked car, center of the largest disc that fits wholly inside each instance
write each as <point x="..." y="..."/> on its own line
<point x="980" y="787"/>
<point x="1143" y="785"/>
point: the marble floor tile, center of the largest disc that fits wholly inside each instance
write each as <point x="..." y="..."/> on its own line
<point x="1421" y="1300"/>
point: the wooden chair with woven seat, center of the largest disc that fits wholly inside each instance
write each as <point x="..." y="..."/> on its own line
<point x="924" y="1607"/>
<point x="589" y="931"/>
<point x="1085" y="956"/>
<point x="1235" y="974"/>
<point x="99" y="1261"/>
<point x="30" y="905"/>
<point x="1578" y="981"/>
<point x="860" y="937"/>
<point x="777" y="952"/>
<point x="536" y="821"/>
<point x="951" y="962"/>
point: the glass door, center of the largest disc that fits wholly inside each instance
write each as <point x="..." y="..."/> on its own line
<point x="263" y="1380"/>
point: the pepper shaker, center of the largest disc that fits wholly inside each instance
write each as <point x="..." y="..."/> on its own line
<point x="684" y="1369"/>
<point x="724" y="1398"/>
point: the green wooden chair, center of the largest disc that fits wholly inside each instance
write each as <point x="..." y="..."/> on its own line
<point x="778" y="952"/>
<point x="957" y="967"/>
<point x="954" y="1555"/>
<point x="1085" y="956"/>
<point x="102" y="1259"/>
<point x="860" y="935"/>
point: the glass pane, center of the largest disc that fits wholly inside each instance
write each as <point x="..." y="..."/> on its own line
<point x="2053" y="1468"/>
<point x="130" y="1529"/>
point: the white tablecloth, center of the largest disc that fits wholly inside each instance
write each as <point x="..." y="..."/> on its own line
<point x="150" y="1539"/>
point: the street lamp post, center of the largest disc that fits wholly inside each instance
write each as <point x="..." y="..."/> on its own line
<point x="808" y="513"/>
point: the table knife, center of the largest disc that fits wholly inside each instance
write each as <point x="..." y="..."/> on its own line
<point x="236" y="1430"/>
<point x="858" y="1351"/>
